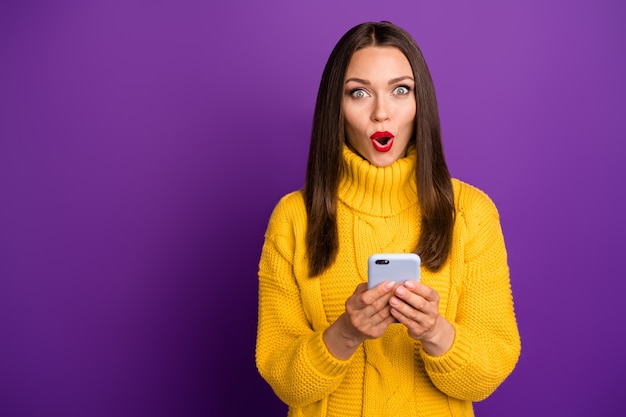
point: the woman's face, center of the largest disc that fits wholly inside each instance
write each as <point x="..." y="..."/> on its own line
<point x="379" y="104"/>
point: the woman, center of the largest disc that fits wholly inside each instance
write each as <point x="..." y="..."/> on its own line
<point x="377" y="181"/>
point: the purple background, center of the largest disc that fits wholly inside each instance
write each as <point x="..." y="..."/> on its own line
<point x="144" y="144"/>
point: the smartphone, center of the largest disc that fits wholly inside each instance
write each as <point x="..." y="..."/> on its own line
<point x="397" y="267"/>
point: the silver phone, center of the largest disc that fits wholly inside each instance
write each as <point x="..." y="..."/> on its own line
<point x="397" y="267"/>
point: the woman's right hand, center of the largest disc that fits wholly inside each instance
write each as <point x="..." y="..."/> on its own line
<point x="367" y="316"/>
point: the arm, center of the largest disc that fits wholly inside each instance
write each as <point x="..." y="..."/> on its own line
<point x="416" y="305"/>
<point x="486" y="343"/>
<point x="367" y="316"/>
<point x="290" y="355"/>
<point x="304" y="362"/>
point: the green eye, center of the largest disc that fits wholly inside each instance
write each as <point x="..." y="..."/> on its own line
<point x="402" y="90"/>
<point x="359" y="93"/>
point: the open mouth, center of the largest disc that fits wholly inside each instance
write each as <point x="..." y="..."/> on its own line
<point x="382" y="141"/>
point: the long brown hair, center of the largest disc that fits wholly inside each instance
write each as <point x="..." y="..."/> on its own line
<point x="324" y="167"/>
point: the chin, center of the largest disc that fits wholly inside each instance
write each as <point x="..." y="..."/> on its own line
<point x="382" y="162"/>
<point x="383" y="159"/>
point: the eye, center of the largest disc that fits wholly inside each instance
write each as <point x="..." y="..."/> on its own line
<point x="359" y="93"/>
<point x="402" y="90"/>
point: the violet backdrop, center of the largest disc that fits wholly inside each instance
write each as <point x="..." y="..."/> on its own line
<point x="144" y="144"/>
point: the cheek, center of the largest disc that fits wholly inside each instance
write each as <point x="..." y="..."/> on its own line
<point x="351" y="135"/>
<point x="408" y="115"/>
<point x="349" y="115"/>
<point x="353" y="120"/>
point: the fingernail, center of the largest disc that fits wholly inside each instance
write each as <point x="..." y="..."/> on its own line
<point x="389" y="285"/>
<point x="400" y="291"/>
<point x="410" y="285"/>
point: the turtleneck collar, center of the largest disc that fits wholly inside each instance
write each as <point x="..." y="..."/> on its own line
<point x="378" y="191"/>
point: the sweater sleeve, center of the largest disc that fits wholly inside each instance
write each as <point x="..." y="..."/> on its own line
<point x="290" y="355"/>
<point x="487" y="343"/>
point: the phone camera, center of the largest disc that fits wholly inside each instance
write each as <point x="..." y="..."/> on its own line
<point x="382" y="261"/>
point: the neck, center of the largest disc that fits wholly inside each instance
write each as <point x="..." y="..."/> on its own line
<point x="381" y="191"/>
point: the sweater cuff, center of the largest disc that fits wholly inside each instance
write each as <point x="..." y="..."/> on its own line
<point x="321" y="358"/>
<point x="457" y="357"/>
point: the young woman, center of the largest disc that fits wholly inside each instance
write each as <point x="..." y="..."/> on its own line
<point x="377" y="182"/>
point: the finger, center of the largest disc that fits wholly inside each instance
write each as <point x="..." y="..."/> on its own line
<point x="371" y="320"/>
<point x="370" y="302"/>
<point x="379" y="309"/>
<point x="412" y="317"/>
<point x="412" y="305"/>
<point x="405" y="319"/>
<point x="403" y="308"/>
<point x="362" y="287"/>
<point x="382" y="319"/>
<point x="379" y="291"/>
<point x="415" y="329"/>
<point x="359" y="299"/>
<point x="377" y="301"/>
<point x="422" y="290"/>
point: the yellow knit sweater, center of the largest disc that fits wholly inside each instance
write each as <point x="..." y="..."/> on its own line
<point x="392" y="375"/>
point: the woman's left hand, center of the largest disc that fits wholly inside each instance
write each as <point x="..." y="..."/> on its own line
<point x="416" y="306"/>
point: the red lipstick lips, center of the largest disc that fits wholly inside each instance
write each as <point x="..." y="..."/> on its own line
<point x="382" y="141"/>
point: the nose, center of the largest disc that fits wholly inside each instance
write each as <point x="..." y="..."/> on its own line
<point x="380" y="112"/>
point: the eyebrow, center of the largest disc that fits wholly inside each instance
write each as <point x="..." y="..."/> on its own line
<point x="392" y="81"/>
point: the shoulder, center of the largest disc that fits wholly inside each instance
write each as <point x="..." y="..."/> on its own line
<point x="288" y="212"/>
<point x="472" y="203"/>
<point x="290" y="204"/>
<point x="477" y="223"/>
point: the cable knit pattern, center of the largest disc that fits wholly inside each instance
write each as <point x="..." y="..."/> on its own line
<point x="392" y="375"/>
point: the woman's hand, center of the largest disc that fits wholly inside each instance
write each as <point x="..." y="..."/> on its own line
<point x="367" y="316"/>
<point x="417" y="307"/>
